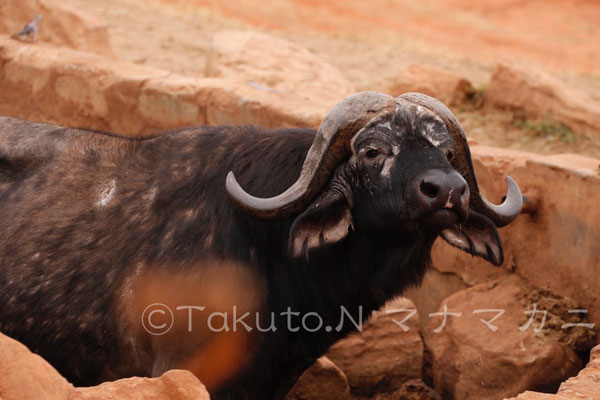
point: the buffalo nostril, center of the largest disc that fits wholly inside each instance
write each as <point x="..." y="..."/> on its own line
<point x="429" y="189"/>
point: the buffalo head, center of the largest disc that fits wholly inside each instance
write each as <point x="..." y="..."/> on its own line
<point x="393" y="167"/>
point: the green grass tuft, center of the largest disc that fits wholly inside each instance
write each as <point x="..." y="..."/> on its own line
<point x="549" y="129"/>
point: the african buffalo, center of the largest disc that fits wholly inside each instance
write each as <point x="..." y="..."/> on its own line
<point x="344" y="217"/>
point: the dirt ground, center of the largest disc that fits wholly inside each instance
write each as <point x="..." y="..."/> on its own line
<point x="370" y="42"/>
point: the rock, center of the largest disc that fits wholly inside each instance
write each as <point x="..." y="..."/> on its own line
<point x="172" y="385"/>
<point x="67" y="87"/>
<point x="586" y="385"/>
<point x="239" y="103"/>
<point x="272" y="64"/>
<point x="323" y="381"/>
<point x="435" y="288"/>
<point x="537" y="95"/>
<point x="24" y="375"/>
<point x="383" y="356"/>
<point x="414" y="389"/>
<point x="445" y="86"/>
<point x="538" y="396"/>
<point x="60" y="25"/>
<point x="472" y="360"/>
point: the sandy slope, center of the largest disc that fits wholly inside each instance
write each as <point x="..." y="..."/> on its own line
<point x="370" y="41"/>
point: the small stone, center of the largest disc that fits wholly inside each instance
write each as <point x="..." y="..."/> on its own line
<point x="323" y="381"/>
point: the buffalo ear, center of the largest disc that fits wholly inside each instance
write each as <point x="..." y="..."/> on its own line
<point x="326" y="221"/>
<point x="477" y="236"/>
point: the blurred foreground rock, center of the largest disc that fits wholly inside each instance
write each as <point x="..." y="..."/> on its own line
<point x="445" y="86"/>
<point x="275" y="65"/>
<point x="323" y="381"/>
<point x="586" y="385"/>
<point x="172" y="385"/>
<point x="477" y="357"/>
<point x="382" y="357"/>
<point x="24" y="375"/>
<point x="60" y="25"/>
<point x="539" y="96"/>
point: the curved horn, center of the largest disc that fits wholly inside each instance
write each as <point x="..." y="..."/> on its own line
<point x="502" y="214"/>
<point x="330" y="146"/>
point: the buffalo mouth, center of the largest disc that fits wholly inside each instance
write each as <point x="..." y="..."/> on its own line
<point x="437" y="221"/>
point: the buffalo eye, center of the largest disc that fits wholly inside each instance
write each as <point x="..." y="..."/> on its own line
<point x="449" y="155"/>
<point x="372" y="153"/>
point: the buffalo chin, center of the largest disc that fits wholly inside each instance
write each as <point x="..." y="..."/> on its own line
<point x="439" y="220"/>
